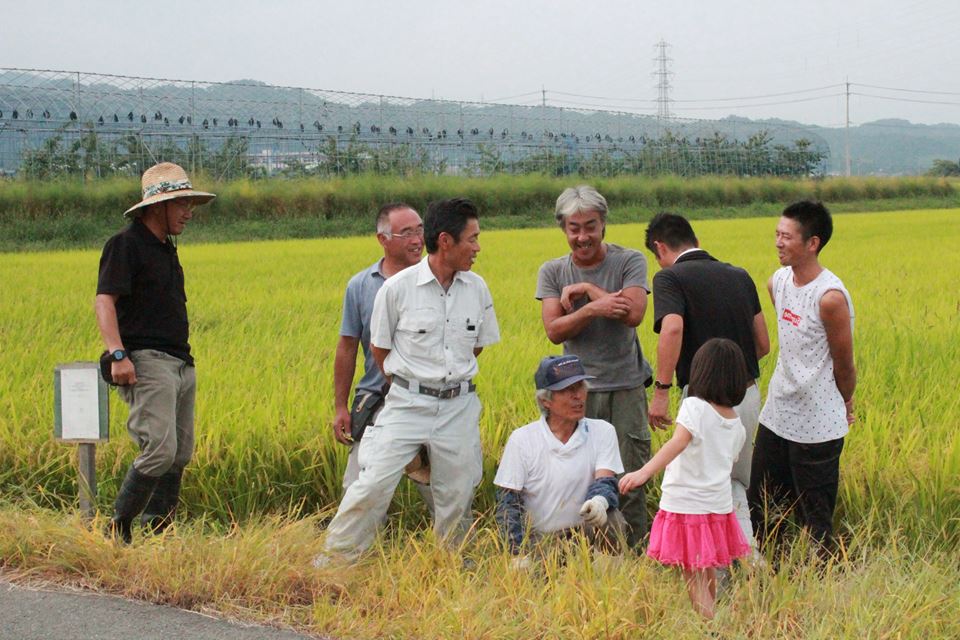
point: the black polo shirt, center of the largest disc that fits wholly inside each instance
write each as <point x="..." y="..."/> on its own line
<point x="146" y="275"/>
<point x="716" y="300"/>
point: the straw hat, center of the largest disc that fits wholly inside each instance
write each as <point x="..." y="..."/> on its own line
<point x="166" y="181"/>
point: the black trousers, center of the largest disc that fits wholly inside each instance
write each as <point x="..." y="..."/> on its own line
<point x="794" y="478"/>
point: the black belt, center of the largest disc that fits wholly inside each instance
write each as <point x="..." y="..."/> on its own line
<point x="442" y="394"/>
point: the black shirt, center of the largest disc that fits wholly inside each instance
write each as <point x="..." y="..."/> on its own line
<point x="715" y="299"/>
<point x="146" y="276"/>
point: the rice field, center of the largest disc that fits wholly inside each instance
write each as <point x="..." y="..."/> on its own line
<point x="265" y="318"/>
<point x="267" y="471"/>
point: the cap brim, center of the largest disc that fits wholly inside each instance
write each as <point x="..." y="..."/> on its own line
<point x="572" y="380"/>
<point x="201" y="197"/>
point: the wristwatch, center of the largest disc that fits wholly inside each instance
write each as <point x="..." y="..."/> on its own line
<point x="662" y="385"/>
<point x="118" y="355"/>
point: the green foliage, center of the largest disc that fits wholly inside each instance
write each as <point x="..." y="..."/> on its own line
<point x="944" y="168"/>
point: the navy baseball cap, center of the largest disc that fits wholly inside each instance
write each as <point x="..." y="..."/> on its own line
<point x="559" y="372"/>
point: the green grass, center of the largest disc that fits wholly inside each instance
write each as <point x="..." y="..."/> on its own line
<point x="70" y="214"/>
<point x="266" y="474"/>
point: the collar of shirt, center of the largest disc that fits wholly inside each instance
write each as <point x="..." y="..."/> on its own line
<point x="686" y="251"/>
<point x="425" y="273"/>
<point x="147" y="236"/>
<point x="376" y="269"/>
<point x="577" y="439"/>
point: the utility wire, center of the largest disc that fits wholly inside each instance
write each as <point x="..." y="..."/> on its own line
<point x="757" y="97"/>
<point x="893" y="99"/>
<point x="938" y="93"/>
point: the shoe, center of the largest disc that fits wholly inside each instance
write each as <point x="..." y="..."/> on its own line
<point x="159" y="512"/>
<point x="134" y="494"/>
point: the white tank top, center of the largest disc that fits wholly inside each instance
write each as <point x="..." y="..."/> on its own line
<point x="803" y="402"/>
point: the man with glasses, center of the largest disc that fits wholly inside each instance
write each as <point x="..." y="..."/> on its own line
<point x="400" y="234"/>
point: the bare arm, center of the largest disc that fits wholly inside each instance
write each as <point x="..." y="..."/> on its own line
<point x="835" y="315"/>
<point x="761" y="339"/>
<point x="638" y="305"/>
<point x="105" y="308"/>
<point x="344" y="366"/>
<point x="770" y="292"/>
<point x="668" y="353"/>
<point x="561" y="326"/>
<point x="673" y="447"/>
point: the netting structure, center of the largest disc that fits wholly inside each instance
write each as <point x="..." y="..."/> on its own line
<point x="90" y="124"/>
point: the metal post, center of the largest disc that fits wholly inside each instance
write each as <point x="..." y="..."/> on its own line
<point x="87" y="479"/>
<point x="846" y="132"/>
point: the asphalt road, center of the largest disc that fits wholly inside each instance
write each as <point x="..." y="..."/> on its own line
<point x="40" y="614"/>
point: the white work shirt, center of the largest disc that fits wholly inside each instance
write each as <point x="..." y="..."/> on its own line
<point x="431" y="333"/>
<point x="803" y="402"/>
<point x="553" y="477"/>
<point x="698" y="480"/>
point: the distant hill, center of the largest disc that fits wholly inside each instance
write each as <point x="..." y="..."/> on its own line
<point x="286" y="121"/>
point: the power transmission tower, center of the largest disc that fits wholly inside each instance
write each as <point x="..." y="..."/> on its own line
<point x="663" y="74"/>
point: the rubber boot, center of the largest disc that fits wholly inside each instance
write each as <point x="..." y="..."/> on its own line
<point x="134" y="494"/>
<point x="162" y="506"/>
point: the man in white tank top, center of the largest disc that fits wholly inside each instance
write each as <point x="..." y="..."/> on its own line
<point x="809" y="407"/>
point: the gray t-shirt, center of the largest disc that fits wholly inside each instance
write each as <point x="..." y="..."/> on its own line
<point x="608" y="348"/>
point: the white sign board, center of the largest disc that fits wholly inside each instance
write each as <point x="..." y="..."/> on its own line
<point x="80" y="403"/>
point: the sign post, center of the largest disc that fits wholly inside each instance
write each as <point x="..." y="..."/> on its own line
<point x="81" y="410"/>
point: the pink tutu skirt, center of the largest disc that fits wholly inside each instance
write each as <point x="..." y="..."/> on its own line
<point x="696" y="541"/>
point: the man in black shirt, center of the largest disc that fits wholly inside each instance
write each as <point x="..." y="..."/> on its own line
<point x="141" y="310"/>
<point x="696" y="298"/>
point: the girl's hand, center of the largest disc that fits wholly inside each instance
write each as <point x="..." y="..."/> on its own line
<point x="631" y="481"/>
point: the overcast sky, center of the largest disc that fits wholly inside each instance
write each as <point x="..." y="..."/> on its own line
<point x="726" y="55"/>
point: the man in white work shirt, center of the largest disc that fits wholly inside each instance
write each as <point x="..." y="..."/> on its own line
<point x="429" y="324"/>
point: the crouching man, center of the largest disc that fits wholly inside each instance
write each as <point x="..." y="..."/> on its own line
<point x="557" y="474"/>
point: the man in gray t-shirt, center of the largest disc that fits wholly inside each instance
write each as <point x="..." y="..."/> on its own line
<point x="592" y="301"/>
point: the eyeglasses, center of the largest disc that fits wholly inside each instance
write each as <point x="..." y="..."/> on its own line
<point x="406" y="235"/>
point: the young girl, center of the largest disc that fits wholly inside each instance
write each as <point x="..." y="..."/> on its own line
<point x="695" y="527"/>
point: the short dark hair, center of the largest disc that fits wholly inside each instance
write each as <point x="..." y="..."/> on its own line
<point x="384" y="213"/>
<point x="672" y="230"/>
<point x="446" y="216"/>
<point x="814" y="220"/>
<point x="719" y="373"/>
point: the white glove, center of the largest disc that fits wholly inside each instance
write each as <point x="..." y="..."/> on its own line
<point x="594" y="511"/>
<point x="521" y="563"/>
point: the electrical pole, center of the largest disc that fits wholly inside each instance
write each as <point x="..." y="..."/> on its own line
<point x="663" y="81"/>
<point x="846" y="132"/>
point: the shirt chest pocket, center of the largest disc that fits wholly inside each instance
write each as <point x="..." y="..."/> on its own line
<point x="421" y="329"/>
<point x="465" y="330"/>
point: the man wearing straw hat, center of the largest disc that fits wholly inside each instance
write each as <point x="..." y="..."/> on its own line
<point x="141" y="310"/>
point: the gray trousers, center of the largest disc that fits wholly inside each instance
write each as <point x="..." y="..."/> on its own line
<point x="626" y="410"/>
<point x="161" y="411"/>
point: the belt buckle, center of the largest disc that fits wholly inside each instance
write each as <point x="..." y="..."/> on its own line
<point x="446" y="394"/>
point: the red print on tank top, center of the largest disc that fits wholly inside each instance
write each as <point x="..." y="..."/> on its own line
<point x="791" y="317"/>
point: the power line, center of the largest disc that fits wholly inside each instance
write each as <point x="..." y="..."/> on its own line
<point x="768" y="95"/>
<point x="913" y="100"/>
<point x="760" y="104"/>
<point x="937" y="93"/>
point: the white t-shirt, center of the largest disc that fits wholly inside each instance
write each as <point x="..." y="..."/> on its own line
<point x="803" y="402"/>
<point x="553" y="477"/>
<point x="698" y="480"/>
